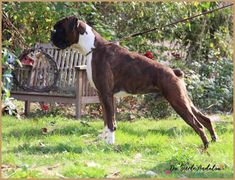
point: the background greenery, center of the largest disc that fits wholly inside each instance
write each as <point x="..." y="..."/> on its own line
<point x="202" y="47"/>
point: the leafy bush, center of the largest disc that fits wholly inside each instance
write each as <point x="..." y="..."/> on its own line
<point x="156" y="107"/>
<point x="9" y="61"/>
<point x="201" y="47"/>
<point x="212" y="88"/>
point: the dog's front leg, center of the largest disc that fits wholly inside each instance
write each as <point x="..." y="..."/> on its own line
<point x="104" y="133"/>
<point x="108" y="114"/>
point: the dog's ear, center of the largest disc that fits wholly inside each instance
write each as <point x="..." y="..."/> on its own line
<point x="73" y="21"/>
<point x="81" y="27"/>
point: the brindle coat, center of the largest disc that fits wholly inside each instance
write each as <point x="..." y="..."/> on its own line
<point x="116" y="69"/>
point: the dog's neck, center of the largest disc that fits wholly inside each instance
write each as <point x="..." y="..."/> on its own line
<point x="88" y="41"/>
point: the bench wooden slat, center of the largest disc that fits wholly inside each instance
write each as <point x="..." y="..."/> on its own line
<point x="58" y="61"/>
<point x="71" y="70"/>
<point x="61" y="67"/>
<point x="35" y="72"/>
<point x="80" y="61"/>
<point x="55" y="55"/>
<point x="72" y="85"/>
<point x="66" y="68"/>
<point x="43" y="94"/>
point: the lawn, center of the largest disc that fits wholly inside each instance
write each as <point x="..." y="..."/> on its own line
<point x="60" y="147"/>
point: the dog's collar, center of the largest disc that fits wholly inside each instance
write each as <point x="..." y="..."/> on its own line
<point x="92" y="49"/>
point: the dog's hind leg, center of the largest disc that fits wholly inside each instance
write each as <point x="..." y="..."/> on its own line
<point x="186" y="113"/>
<point x="206" y="122"/>
<point x="191" y="120"/>
<point x="181" y="104"/>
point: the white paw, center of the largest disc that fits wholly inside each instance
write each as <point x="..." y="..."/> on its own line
<point x="110" y="138"/>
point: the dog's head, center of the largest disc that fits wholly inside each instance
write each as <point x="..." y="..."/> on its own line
<point x="66" y="32"/>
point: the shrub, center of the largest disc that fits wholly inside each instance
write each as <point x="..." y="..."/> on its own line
<point x="212" y="88"/>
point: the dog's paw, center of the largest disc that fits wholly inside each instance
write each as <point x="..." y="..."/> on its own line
<point x="110" y="138"/>
<point x="214" y="138"/>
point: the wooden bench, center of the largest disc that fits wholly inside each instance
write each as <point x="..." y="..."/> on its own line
<point x="72" y="86"/>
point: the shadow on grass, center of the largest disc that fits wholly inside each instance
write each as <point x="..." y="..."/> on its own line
<point x="125" y="148"/>
<point x="175" y="131"/>
<point x="60" y="148"/>
<point x="172" y="132"/>
<point x="37" y="132"/>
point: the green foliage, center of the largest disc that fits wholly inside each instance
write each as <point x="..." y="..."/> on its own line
<point x="213" y="88"/>
<point x="203" y="44"/>
<point x="156" y="108"/>
<point x="8" y="62"/>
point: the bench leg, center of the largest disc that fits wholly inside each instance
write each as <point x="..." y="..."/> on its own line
<point x="78" y="110"/>
<point x="79" y="87"/>
<point x="27" y="108"/>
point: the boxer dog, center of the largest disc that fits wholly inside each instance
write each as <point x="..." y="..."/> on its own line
<point x="113" y="70"/>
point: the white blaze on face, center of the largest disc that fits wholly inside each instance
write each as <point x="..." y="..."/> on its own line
<point x="85" y="44"/>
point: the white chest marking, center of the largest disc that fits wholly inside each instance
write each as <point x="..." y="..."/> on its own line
<point x="86" y="41"/>
<point x="85" y="44"/>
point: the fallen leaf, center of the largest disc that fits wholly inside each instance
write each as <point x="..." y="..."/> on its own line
<point x="85" y="135"/>
<point x="52" y="123"/>
<point x="117" y="148"/>
<point x="132" y="117"/>
<point x="8" y="166"/>
<point x="183" y="176"/>
<point x="60" y="175"/>
<point x="113" y="175"/>
<point x="151" y="173"/>
<point x="91" y="164"/>
<point x="53" y="167"/>
<point x="137" y="158"/>
<point x="44" y="130"/>
<point x="41" y="144"/>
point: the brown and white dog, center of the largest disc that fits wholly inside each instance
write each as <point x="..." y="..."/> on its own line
<point x="113" y="70"/>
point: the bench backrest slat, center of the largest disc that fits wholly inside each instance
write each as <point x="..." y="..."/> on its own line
<point x="71" y="69"/>
<point x="66" y="61"/>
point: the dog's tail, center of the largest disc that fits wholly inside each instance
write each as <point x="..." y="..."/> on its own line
<point x="178" y="73"/>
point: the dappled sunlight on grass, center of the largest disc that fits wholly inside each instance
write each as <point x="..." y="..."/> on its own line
<point x="60" y="147"/>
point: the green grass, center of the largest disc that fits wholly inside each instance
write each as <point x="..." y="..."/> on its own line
<point x="70" y="149"/>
